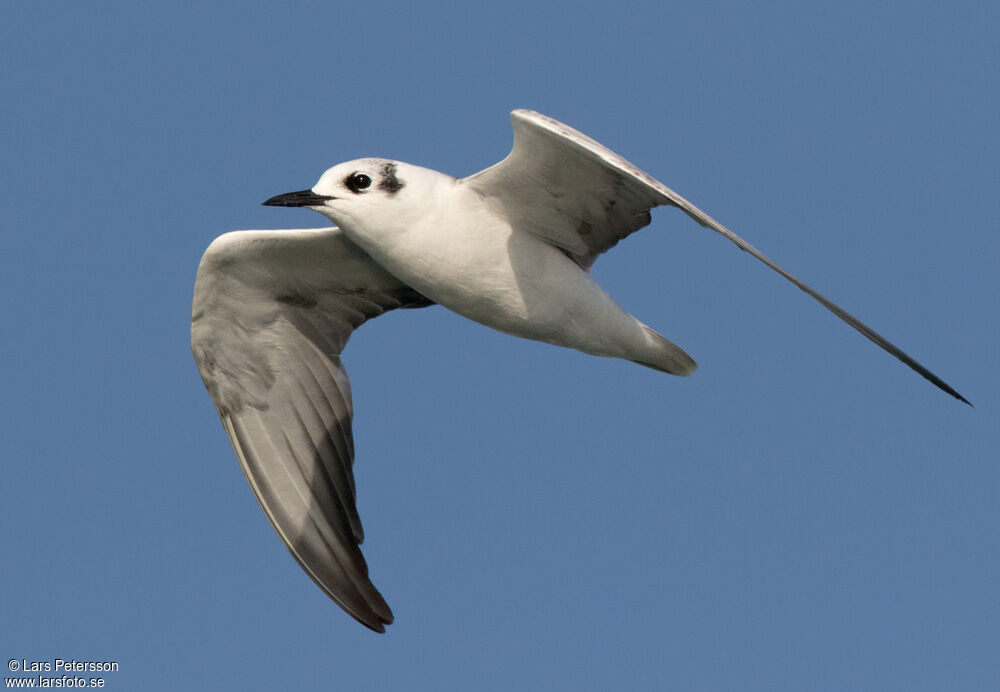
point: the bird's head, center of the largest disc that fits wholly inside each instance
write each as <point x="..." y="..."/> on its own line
<point x="367" y="195"/>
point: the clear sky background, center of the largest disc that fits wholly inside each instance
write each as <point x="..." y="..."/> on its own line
<point x="803" y="513"/>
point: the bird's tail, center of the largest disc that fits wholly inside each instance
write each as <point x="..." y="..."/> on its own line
<point x="664" y="355"/>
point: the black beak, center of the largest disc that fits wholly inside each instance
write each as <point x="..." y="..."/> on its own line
<point x="302" y="198"/>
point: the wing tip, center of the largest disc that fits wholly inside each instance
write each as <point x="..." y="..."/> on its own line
<point x="943" y="386"/>
<point x="376" y="624"/>
<point x="371" y="610"/>
<point x="375" y="617"/>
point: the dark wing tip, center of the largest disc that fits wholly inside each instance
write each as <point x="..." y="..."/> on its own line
<point x="942" y="385"/>
<point x="378" y="627"/>
<point x="376" y="622"/>
<point x="908" y="361"/>
<point x="847" y="317"/>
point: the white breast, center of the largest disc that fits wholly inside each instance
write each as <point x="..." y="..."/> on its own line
<point x="463" y="255"/>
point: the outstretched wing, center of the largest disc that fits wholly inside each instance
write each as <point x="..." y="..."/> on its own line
<point x="272" y="313"/>
<point x="583" y="198"/>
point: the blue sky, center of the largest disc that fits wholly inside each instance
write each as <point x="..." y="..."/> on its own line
<point x="803" y="513"/>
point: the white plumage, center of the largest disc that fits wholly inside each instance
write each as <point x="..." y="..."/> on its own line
<point x="509" y="247"/>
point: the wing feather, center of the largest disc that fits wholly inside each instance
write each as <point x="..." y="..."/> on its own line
<point x="582" y="197"/>
<point x="272" y="313"/>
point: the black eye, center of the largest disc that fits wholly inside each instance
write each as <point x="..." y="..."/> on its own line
<point x="357" y="182"/>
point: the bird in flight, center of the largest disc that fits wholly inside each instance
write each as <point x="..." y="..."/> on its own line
<point x="510" y="247"/>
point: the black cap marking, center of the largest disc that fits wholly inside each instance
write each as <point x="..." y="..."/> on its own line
<point x="390" y="183"/>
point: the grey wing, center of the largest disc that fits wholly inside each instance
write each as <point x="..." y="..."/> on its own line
<point x="583" y="198"/>
<point x="272" y="313"/>
<point x="566" y="188"/>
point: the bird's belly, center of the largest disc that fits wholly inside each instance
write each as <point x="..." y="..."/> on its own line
<point x="510" y="281"/>
<point x="475" y="274"/>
